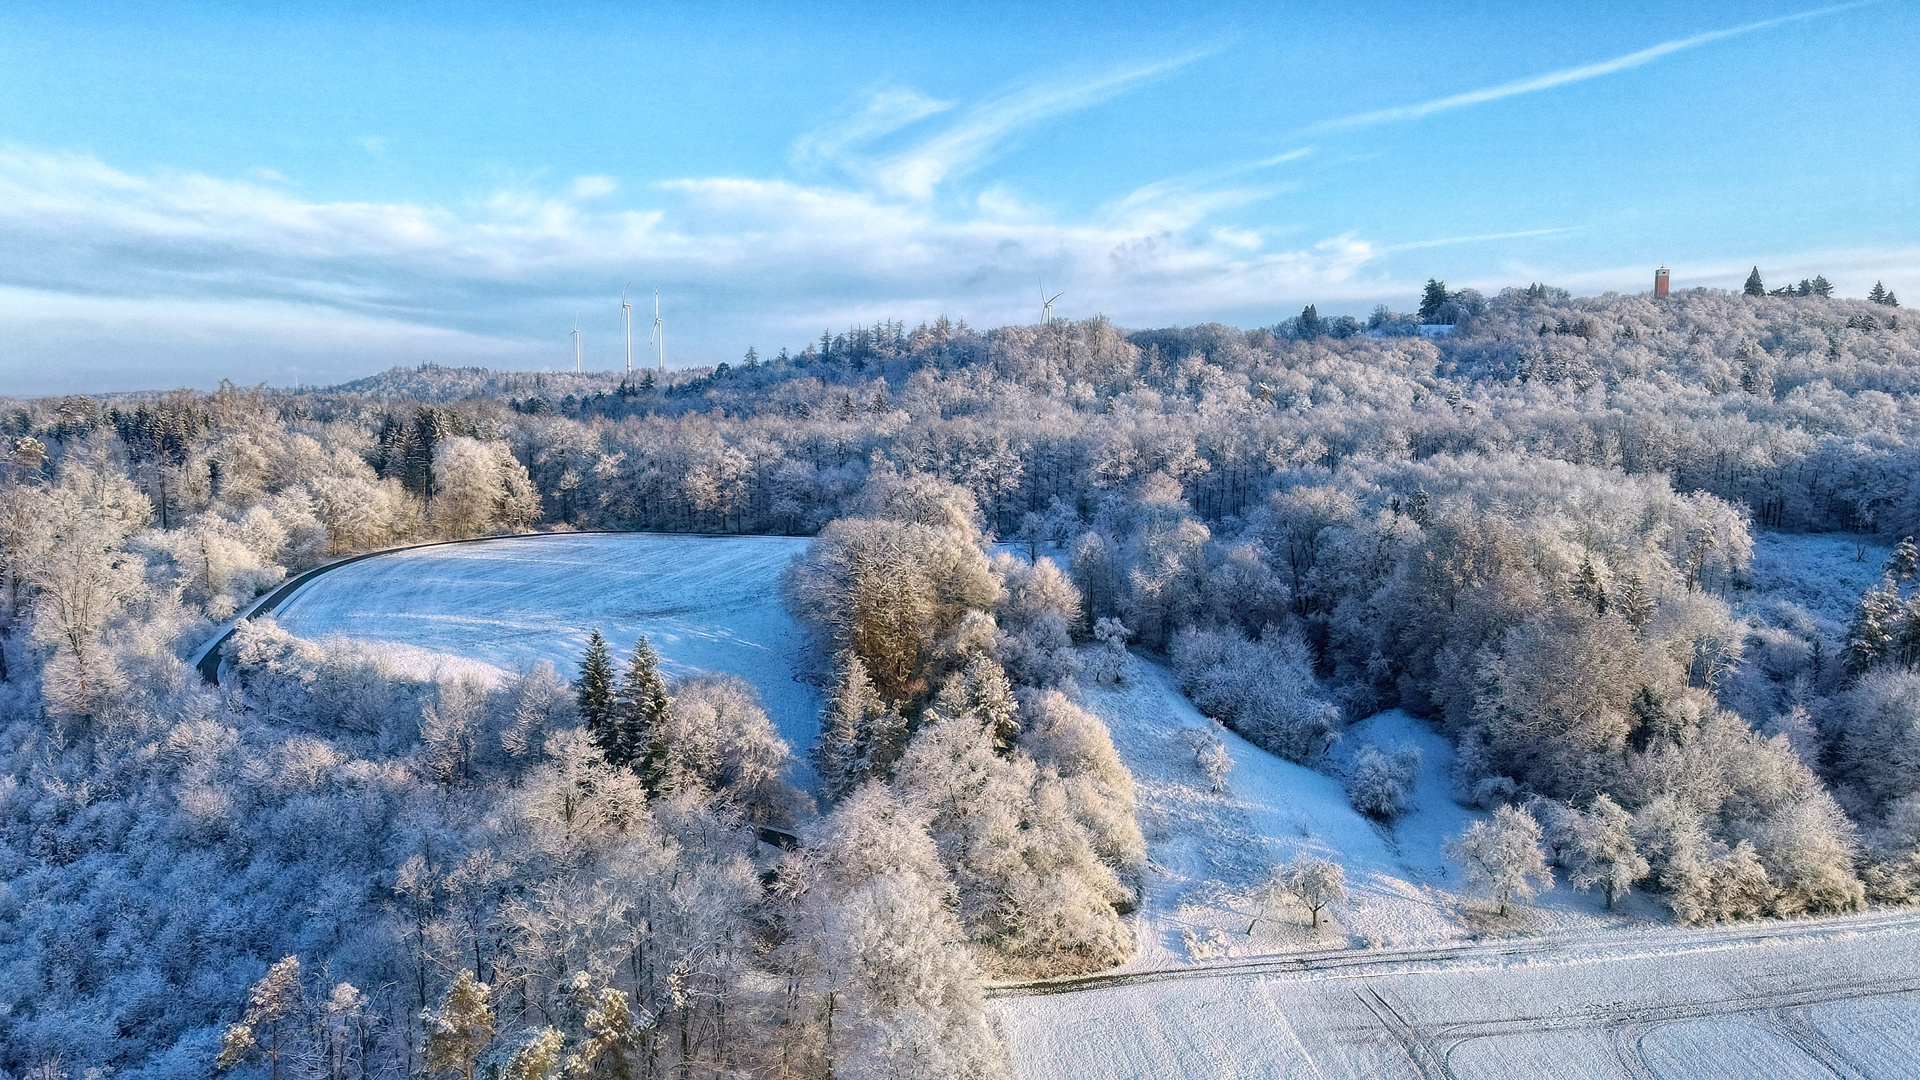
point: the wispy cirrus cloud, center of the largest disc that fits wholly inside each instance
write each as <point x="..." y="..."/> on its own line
<point x="881" y="114"/>
<point x="1567" y="76"/>
<point x="979" y="130"/>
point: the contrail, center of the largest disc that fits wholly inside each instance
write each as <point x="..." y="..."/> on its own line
<point x="1569" y="75"/>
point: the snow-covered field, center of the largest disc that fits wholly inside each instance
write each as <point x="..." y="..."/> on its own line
<point x="1795" y="1000"/>
<point x="706" y="603"/>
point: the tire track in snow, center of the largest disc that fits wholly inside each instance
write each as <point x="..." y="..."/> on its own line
<point x="1620" y="945"/>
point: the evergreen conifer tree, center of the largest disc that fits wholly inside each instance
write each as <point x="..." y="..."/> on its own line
<point x="1907" y="635"/>
<point x="1820" y="286"/>
<point x="1870" y="637"/>
<point x="1877" y="294"/>
<point x="1754" y="286"/>
<point x="1589" y="587"/>
<point x="1904" y="563"/>
<point x="844" y="754"/>
<point x="1635" y="603"/>
<point x="461" y="1029"/>
<point x="1433" y="299"/>
<point x="596" y="695"/>
<point x="641" y="711"/>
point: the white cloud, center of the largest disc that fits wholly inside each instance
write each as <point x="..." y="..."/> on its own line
<point x="249" y="280"/>
<point x="981" y="129"/>
<point x="592" y="187"/>
<point x="883" y="113"/>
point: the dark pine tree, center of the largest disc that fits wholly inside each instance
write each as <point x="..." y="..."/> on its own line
<point x="641" y="709"/>
<point x="1433" y="299"/>
<point x="1754" y="285"/>
<point x="1311" y="324"/>
<point x="596" y="694"/>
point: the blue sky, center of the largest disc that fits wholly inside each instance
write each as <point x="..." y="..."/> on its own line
<point x="197" y="192"/>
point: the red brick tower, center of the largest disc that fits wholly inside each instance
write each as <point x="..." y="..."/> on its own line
<point x="1660" y="284"/>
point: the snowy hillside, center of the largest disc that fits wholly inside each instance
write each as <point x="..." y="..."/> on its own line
<point x="1410" y="978"/>
<point x="707" y="604"/>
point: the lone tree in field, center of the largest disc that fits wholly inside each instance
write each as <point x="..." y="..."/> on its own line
<point x="1503" y="856"/>
<point x="1315" y="882"/>
<point x="1210" y="753"/>
<point x="596" y="691"/>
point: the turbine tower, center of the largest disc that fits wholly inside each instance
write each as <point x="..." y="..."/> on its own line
<point x="1046" y="305"/>
<point x="659" y="331"/>
<point x="626" y="320"/>
<point x="576" y="343"/>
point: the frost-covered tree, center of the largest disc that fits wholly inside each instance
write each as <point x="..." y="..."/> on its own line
<point x="1603" y="851"/>
<point x="596" y="692"/>
<point x="640" y="707"/>
<point x="1502" y="856"/>
<point x="1110" y="663"/>
<point x="876" y="959"/>
<point x="1380" y="783"/>
<point x="461" y="1028"/>
<point x="859" y="735"/>
<point x="1216" y="764"/>
<point x="1314" y="882"/>
<point x="1871" y="635"/>
<point x="273" y="1026"/>
<point x="479" y="487"/>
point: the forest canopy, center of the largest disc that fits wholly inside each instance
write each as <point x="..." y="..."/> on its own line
<point x="1536" y="531"/>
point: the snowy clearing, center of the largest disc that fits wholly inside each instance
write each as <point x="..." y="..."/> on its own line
<point x="1823" y="573"/>
<point x="707" y="604"/>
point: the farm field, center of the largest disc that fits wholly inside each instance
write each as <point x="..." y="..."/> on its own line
<point x="706" y="603"/>
<point x="1806" y="999"/>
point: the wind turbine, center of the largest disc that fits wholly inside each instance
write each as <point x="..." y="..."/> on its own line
<point x="659" y="331"/>
<point x="576" y="343"/>
<point x="626" y="320"/>
<point x="1046" y="305"/>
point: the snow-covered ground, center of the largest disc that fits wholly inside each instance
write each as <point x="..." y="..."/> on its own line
<point x="1834" y="999"/>
<point x="706" y="603"/>
<point x="1412" y="978"/>
<point x="1824" y="573"/>
<point x="1209" y="854"/>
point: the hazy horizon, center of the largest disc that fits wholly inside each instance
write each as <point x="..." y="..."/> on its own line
<point x="190" y="193"/>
